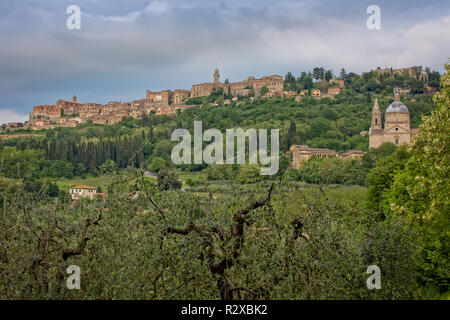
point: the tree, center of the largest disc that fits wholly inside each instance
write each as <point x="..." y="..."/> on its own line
<point x="60" y="168"/>
<point x="316" y="73"/>
<point x="330" y="114"/>
<point x="79" y="170"/>
<point x="157" y="164"/>
<point x="248" y="173"/>
<point x="289" y="78"/>
<point x="379" y="179"/>
<point x="64" y="196"/>
<point x="419" y="192"/>
<point x="308" y="83"/>
<point x="292" y="132"/>
<point x="264" y="90"/>
<point x="328" y="75"/>
<point x="374" y="154"/>
<point x="53" y="190"/>
<point x="318" y="127"/>
<point x="163" y="149"/>
<point x="372" y="85"/>
<point x="21" y="164"/>
<point x="342" y="74"/>
<point x="168" y="179"/>
<point x="219" y="101"/>
<point x="108" y="167"/>
<point x="285" y="163"/>
<point x="219" y="172"/>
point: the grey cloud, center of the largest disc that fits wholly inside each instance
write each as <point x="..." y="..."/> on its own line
<point x="126" y="47"/>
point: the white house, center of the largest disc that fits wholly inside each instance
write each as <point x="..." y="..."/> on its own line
<point x="78" y="192"/>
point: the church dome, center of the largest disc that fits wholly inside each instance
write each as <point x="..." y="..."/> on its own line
<point x="397" y="106"/>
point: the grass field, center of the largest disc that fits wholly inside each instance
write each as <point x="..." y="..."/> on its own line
<point x="101" y="181"/>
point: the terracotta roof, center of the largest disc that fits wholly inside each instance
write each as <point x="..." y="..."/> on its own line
<point x="83" y="187"/>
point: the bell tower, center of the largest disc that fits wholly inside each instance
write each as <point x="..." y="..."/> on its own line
<point x="216" y="76"/>
<point x="376" y="116"/>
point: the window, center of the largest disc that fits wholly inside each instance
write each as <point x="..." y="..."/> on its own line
<point x="396" y="129"/>
<point x="396" y="141"/>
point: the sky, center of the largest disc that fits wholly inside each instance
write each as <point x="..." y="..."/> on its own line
<point x="125" y="47"/>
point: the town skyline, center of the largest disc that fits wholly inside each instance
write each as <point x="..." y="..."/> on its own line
<point x="72" y="112"/>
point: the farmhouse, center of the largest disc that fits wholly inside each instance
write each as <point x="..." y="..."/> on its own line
<point x="78" y="192"/>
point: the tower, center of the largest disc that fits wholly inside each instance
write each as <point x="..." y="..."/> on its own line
<point x="376" y="115"/>
<point x="216" y="76"/>
<point x="376" y="130"/>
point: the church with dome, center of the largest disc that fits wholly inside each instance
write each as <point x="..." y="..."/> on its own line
<point x="396" y="125"/>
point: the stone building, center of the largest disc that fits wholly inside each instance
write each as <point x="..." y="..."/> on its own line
<point x="339" y="82"/>
<point x="410" y="71"/>
<point x="65" y="113"/>
<point x="353" y="154"/>
<point x="273" y="83"/>
<point x="334" y="90"/>
<point x="69" y="107"/>
<point x="302" y="153"/>
<point x="78" y="192"/>
<point x="179" y="96"/>
<point x="162" y="97"/>
<point x="167" y="97"/>
<point x="396" y="125"/>
<point x="316" y="93"/>
<point x="414" y="72"/>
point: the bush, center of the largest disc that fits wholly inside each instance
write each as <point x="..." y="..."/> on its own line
<point x="157" y="164"/>
<point x="219" y="172"/>
<point x="248" y="173"/>
<point x="168" y="179"/>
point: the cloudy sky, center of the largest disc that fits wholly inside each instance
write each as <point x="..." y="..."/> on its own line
<point x="125" y="47"/>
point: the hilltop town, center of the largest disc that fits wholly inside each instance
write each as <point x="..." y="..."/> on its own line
<point x="70" y="113"/>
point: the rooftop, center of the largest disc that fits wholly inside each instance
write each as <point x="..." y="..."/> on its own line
<point x="83" y="187"/>
<point x="397" y="106"/>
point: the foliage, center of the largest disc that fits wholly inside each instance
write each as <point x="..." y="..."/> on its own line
<point x="20" y="164"/>
<point x="248" y="173"/>
<point x="286" y="243"/>
<point x="108" y="167"/>
<point x="380" y="177"/>
<point x="331" y="171"/>
<point x="168" y="179"/>
<point x="219" y="172"/>
<point x="263" y="90"/>
<point x="419" y="192"/>
<point x="157" y="164"/>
